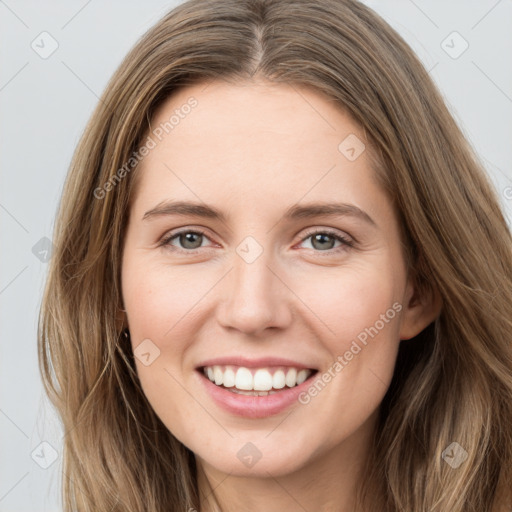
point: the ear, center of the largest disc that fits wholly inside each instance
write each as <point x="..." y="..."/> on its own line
<point x="421" y="308"/>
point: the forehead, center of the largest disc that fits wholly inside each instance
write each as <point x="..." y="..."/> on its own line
<point x="250" y="111"/>
<point x="219" y="140"/>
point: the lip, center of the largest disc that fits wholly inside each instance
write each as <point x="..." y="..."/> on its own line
<point x="254" y="407"/>
<point x="261" y="362"/>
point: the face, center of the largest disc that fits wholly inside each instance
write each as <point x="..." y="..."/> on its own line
<point x="261" y="253"/>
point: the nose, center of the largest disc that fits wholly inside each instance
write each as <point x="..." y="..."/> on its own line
<point x="255" y="297"/>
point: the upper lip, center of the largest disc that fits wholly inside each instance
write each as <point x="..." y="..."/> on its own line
<point x="260" y="362"/>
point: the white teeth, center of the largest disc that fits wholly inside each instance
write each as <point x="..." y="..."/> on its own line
<point x="291" y="377"/>
<point x="257" y="382"/>
<point x="243" y="379"/>
<point x="229" y="378"/>
<point x="302" y="376"/>
<point x="218" y="375"/>
<point x="279" y="380"/>
<point x="262" y="381"/>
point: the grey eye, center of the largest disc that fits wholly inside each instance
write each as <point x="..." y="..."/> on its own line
<point x="190" y="240"/>
<point x="322" y="241"/>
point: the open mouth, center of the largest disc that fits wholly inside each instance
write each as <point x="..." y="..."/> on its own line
<point x="256" y="381"/>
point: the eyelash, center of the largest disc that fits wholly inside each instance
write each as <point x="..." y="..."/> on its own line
<point x="345" y="242"/>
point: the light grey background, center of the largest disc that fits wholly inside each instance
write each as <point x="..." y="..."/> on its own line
<point x="45" y="103"/>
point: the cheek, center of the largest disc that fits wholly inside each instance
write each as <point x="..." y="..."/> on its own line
<point x="348" y="302"/>
<point x="359" y="324"/>
<point x="158" y="305"/>
<point x="159" y="299"/>
<point x="163" y="305"/>
<point x="362" y="309"/>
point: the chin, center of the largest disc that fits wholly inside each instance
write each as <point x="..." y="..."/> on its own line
<point x="252" y="459"/>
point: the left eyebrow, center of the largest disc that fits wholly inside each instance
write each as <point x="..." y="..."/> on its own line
<point x="184" y="208"/>
<point x="328" y="209"/>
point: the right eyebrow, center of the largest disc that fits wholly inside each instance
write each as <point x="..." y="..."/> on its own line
<point x="184" y="208"/>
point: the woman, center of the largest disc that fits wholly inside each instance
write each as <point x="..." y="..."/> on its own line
<point x="337" y="337"/>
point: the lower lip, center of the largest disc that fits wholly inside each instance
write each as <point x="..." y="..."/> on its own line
<point x="253" y="406"/>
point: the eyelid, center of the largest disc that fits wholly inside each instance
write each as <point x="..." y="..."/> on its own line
<point x="339" y="235"/>
<point x="166" y="238"/>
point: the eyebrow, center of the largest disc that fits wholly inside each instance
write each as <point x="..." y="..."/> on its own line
<point x="295" y="212"/>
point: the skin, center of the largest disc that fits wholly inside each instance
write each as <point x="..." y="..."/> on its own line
<point x="252" y="150"/>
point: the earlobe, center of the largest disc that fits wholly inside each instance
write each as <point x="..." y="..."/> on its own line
<point x="420" y="310"/>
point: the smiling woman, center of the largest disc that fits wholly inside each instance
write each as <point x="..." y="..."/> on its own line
<point x="299" y="298"/>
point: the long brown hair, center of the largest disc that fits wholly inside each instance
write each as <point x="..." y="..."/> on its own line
<point x="453" y="382"/>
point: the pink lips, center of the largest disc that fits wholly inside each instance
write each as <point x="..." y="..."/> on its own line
<point x="253" y="406"/>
